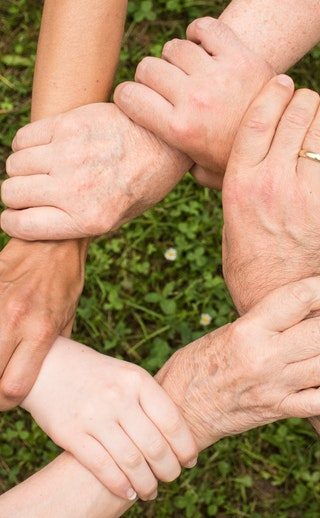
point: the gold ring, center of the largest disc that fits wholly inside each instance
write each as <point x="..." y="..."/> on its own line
<point x="310" y="154"/>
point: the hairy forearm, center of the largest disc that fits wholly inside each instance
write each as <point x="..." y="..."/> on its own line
<point x="280" y="32"/>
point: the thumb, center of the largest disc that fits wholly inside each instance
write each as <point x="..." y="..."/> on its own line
<point x="287" y="306"/>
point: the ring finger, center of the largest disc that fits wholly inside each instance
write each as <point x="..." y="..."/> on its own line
<point x="308" y="168"/>
<point x="294" y="125"/>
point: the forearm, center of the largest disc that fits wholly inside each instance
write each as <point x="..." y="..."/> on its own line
<point x="63" y="488"/>
<point x="77" y="54"/>
<point x="280" y="32"/>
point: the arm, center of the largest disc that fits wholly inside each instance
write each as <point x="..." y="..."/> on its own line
<point x="197" y="103"/>
<point x="280" y="32"/>
<point x="77" y="55"/>
<point x="249" y="373"/>
<point x="187" y="99"/>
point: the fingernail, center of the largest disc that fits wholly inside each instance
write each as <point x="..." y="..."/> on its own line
<point x="203" y="23"/>
<point x="285" y="80"/>
<point x="153" y="496"/>
<point x="131" y="494"/>
<point x="192" y="463"/>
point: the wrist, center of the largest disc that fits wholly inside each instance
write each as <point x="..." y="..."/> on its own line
<point x="197" y="392"/>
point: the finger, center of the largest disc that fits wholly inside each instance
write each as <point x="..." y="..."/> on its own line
<point x="29" y="161"/>
<point x="186" y="56"/>
<point x="207" y="178"/>
<point x="304" y="374"/>
<point x="315" y="421"/>
<point x="145" y="107"/>
<point x="130" y="460"/>
<point x="287" y="306"/>
<point x="162" y="77"/>
<point x="303" y="404"/>
<point x="67" y="331"/>
<point x="8" y="344"/>
<point x="152" y="445"/>
<point x="310" y="169"/>
<point x="40" y="223"/>
<point x="24" y="366"/>
<point x="93" y="456"/>
<point x="36" y="133"/>
<point x="302" y="341"/>
<point x="213" y="35"/>
<point x="159" y="407"/>
<point x="22" y="192"/>
<point x="293" y="126"/>
<point x="259" y="124"/>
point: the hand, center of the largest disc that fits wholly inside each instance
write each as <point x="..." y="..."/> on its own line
<point x="270" y="196"/>
<point x="195" y="96"/>
<point x="85" y="173"/>
<point x="260" y="369"/>
<point x="40" y="284"/>
<point x="113" y="417"/>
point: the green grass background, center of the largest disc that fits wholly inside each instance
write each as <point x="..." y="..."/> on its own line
<point x="138" y="306"/>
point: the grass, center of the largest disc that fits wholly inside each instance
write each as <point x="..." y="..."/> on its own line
<point x="140" y="307"/>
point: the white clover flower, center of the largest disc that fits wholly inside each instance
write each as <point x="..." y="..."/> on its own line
<point x="171" y="254"/>
<point x="205" y="319"/>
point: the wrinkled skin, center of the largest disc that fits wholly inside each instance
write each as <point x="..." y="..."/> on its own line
<point x="271" y="196"/>
<point x="91" y="170"/>
<point x="253" y="371"/>
<point x="196" y="95"/>
<point x="40" y="284"/>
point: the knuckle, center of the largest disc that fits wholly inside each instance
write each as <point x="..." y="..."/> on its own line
<point x="257" y="121"/>
<point x="173" y="425"/>
<point x="101" y="465"/>
<point x="13" y="389"/>
<point x="24" y="227"/>
<point x="156" y="449"/>
<point x="314" y="134"/>
<point x="170" y="477"/>
<point x="296" y="117"/>
<point x="181" y="129"/>
<point x="301" y="292"/>
<point x="143" y="67"/>
<point x="241" y="329"/>
<point x="137" y="375"/>
<point x="170" y="46"/>
<point x="205" y="23"/>
<point x="17" y="309"/>
<point x="19" y="138"/>
<point x="133" y="459"/>
<point x="10" y="164"/>
<point x="5" y="192"/>
<point x="149" y="490"/>
<point x="201" y="99"/>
